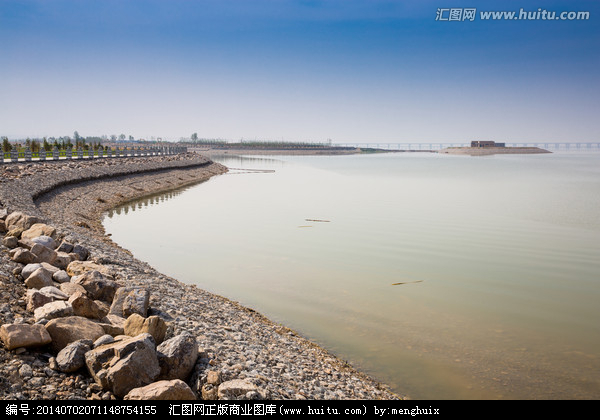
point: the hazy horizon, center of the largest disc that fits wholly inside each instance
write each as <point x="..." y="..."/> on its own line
<point x="351" y="71"/>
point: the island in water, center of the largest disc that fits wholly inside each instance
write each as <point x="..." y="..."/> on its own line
<point x="484" y="148"/>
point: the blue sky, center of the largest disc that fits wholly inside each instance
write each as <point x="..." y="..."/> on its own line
<point x="346" y="70"/>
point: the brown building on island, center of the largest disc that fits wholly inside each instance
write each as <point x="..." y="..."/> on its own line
<point x="480" y="143"/>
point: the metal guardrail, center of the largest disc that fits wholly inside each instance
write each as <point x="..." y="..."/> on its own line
<point x="26" y="155"/>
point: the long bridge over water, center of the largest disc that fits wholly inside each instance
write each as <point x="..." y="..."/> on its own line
<point x="439" y="146"/>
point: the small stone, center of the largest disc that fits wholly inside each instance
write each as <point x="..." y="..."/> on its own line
<point x="234" y="389"/>
<point x="65" y="247"/>
<point x="175" y="390"/>
<point x="81" y="251"/>
<point x="25" y="371"/>
<point x="62" y="260"/>
<point x="213" y="377"/>
<point x="61" y="276"/>
<point x="105" y="339"/>
<point x="47" y="241"/>
<point x="29" y="269"/>
<point x="22" y="256"/>
<point x="209" y="392"/>
<point x="10" y="241"/>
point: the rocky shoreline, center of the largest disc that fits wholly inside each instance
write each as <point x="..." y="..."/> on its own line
<point x="81" y="318"/>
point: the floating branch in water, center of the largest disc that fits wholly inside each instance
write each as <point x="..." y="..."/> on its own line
<point x="250" y="171"/>
<point x="407" y="282"/>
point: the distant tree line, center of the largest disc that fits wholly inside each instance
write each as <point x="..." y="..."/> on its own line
<point x="265" y="144"/>
<point x="63" y="142"/>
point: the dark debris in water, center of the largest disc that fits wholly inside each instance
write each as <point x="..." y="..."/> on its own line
<point x="407" y="282"/>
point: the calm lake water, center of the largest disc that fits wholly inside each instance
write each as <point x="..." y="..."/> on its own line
<point x="498" y="260"/>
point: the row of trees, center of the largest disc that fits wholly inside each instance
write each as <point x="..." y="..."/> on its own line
<point x="193" y="139"/>
<point x="63" y="143"/>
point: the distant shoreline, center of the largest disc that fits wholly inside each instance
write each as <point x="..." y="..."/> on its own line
<point x="211" y="151"/>
<point x="329" y="151"/>
<point x="486" y="151"/>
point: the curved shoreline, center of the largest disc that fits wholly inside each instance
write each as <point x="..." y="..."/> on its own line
<point x="240" y="343"/>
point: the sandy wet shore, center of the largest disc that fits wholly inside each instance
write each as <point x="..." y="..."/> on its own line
<point x="234" y="341"/>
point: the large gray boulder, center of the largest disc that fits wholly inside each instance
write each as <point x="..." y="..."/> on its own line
<point x="124" y="365"/>
<point x="177" y="357"/>
<point x="29" y="269"/>
<point x="52" y="310"/>
<point x="130" y="300"/>
<point x="136" y="302"/>
<point x="61" y="276"/>
<point x="72" y="357"/>
<point x="97" y="286"/>
<point x="47" y="241"/>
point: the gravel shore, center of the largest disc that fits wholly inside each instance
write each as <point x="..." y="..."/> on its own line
<point x="235" y="343"/>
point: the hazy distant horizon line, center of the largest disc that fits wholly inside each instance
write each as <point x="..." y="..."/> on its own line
<point x="283" y="140"/>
